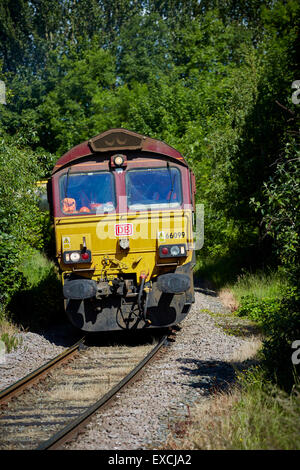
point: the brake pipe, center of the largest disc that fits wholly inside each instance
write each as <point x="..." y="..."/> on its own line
<point x="143" y="277"/>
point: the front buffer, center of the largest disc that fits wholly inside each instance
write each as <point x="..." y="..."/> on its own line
<point x="102" y="306"/>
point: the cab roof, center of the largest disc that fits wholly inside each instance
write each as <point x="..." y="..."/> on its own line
<point x="118" y="140"/>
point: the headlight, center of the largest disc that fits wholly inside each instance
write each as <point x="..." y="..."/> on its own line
<point x="175" y="250"/>
<point x="75" y="257"/>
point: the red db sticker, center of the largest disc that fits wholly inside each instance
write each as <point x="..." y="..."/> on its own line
<point x="123" y="230"/>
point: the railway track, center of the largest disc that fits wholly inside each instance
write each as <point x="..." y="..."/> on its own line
<point x="76" y="384"/>
<point x="18" y="387"/>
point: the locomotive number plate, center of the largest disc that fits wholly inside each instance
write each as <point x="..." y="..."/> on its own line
<point x="162" y="236"/>
<point x="122" y="230"/>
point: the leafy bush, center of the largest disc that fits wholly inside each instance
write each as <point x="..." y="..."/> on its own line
<point x="280" y="319"/>
<point x="281" y="207"/>
<point x="11" y="278"/>
<point x="28" y="280"/>
<point x="22" y="223"/>
<point x="259" y="310"/>
<point x="39" y="302"/>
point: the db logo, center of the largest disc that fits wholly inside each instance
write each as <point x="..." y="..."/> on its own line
<point x="123" y="230"/>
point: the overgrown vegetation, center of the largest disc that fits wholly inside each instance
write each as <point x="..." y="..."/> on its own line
<point x="24" y="233"/>
<point x="255" y="415"/>
<point x="260" y="284"/>
<point x="280" y="320"/>
<point x="8" y="331"/>
<point x="213" y="79"/>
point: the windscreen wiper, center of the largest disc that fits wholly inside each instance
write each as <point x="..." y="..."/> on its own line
<point x="67" y="182"/>
<point x="172" y="181"/>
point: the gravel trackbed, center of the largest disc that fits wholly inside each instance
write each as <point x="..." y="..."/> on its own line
<point x="190" y="369"/>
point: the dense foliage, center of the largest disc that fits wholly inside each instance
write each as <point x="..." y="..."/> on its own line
<point x="20" y="218"/>
<point x="212" y="78"/>
<point x="280" y="320"/>
<point x="215" y="84"/>
<point x="24" y="232"/>
<point x="280" y="208"/>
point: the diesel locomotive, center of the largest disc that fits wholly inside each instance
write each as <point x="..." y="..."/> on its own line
<point x="122" y="207"/>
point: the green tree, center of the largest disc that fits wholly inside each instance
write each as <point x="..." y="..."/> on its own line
<point x="281" y="207"/>
<point x="144" y="49"/>
<point x="22" y="223"/>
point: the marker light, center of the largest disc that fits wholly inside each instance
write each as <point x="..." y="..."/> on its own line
<point x="85" y="256"/>
<point x="118" y="160"/>
<point x="165" y="250"/>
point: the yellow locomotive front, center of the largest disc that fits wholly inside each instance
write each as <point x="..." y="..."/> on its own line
<point x="122" y="206"/>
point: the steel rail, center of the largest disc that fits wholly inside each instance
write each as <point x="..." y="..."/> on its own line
<point x="73" y="427"/>
<point x="18" y="387"/>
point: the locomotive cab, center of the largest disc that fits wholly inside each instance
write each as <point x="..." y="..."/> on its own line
<point x="122" y="205"/>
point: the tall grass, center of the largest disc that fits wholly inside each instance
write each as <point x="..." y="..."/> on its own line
<point x="260" y="285"/>
<point x="255" y="415"/>
<point x="8" y="331"/>
<point x="35" y="267"/>
<point x="39" y="302"/>
<point x="261" y="411"/>
<point x="265" y="417"/>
